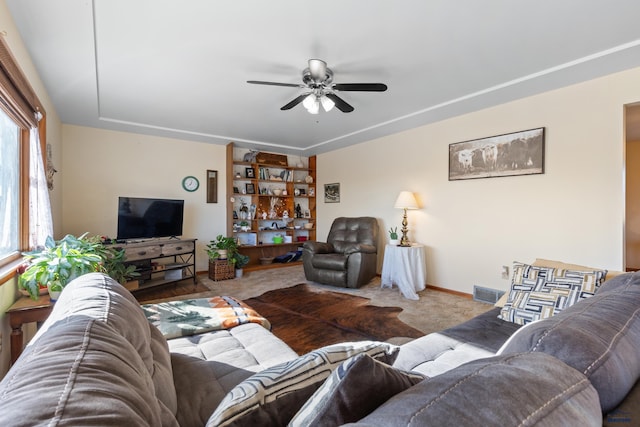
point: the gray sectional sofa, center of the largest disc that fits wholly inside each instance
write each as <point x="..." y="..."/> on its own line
<point x="98" y="361"/>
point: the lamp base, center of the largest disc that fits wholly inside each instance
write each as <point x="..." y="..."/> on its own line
<point x="404" y="240"/>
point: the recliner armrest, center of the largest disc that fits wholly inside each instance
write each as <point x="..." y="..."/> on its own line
<point x="318" y="247"/>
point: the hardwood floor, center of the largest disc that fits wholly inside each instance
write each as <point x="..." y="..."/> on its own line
<point x="169" y="291"/>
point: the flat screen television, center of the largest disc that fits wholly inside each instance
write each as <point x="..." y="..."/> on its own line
<point x="145" y="218"/>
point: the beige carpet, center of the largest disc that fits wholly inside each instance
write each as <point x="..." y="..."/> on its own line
<point x="436" y="310"/>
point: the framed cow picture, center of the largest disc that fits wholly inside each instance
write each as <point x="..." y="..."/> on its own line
<point x="518" y="153"/>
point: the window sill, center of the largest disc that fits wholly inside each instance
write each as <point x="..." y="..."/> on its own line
<point x="8" y="271"/>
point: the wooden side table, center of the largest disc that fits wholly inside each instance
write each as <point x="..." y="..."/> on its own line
<point x="405" y="267"/>
<point x="26" y="310"/>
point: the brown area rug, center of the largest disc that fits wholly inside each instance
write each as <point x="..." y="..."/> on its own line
<point x="306" y="319"/>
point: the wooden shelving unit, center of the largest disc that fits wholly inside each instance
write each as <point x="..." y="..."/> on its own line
<point x="280" y="197"/>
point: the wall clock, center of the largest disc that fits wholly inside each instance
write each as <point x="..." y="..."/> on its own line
<point x="190" y="183"/>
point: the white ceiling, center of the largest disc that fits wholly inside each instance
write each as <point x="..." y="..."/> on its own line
<point x="179" y="68"/>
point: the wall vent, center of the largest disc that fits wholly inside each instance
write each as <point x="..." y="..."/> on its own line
<point x="488" y="295"/>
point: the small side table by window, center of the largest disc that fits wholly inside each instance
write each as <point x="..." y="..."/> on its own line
<point x="405" y="267"/>
<point x="26" y="310"/>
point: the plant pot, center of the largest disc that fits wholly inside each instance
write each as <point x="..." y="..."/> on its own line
<point x="53" y="294"/>
<point x="394" y="242"/>
<point x="222" y="254"/>
<point x="239" y="272"/>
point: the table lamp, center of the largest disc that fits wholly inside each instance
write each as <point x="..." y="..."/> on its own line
<point x="405" y="201"/>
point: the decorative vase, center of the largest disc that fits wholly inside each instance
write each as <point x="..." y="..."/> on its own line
<point x="53" y="295"/>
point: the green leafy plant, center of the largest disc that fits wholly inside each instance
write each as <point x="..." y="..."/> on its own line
<point x="240" y="260"/>
<point x="115" y="266"/>
<point x="230" y="244"/>
<point x="60" y="262"/>
<point x="393" y="233"/>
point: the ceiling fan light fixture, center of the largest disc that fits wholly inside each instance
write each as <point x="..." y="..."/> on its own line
<point x="327" y="103"/>
<point x="309" y="101"/>
<point x="315" y="107"/>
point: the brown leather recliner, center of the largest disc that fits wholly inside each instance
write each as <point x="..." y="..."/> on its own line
<point x="348" y="258"/>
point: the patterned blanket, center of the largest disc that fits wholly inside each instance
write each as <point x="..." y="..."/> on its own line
<point x="196" y="316"/>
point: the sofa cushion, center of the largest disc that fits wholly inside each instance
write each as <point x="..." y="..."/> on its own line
<point x="80" y="370"/>
<point x="207" y="366"/>
<point x="436" y="353"/>
<point x="541" y="292"/>
<point x="495" y="392"/>
<point x="352" y="391"/>
<point x="599" y="337"/>
<point x="273" y="396"/>
<point x="109" y="327"/>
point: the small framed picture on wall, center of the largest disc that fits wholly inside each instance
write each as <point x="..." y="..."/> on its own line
<point x="332" y="193"/>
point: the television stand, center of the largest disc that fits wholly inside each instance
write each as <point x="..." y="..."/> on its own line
<point x="161" y="262"/>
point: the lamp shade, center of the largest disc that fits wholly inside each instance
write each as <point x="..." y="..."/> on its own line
<point x="406" y="200"/>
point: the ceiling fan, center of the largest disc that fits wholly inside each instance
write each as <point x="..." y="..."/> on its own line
<point x="317" y="80"/>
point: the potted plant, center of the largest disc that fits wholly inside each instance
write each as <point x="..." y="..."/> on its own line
<point x="115" y="267"/>
<point x="393" y="236"/>
<point x="239" y="261"/>
<point x="59" y="263"/>
<point x="222" y="248"/>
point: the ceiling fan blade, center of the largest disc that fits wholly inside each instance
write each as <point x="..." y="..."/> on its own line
<point x="361" y="87"/>
<point x="340" y="103"/>
<point x="258" y="82"/>
<point x="295" y="102"/>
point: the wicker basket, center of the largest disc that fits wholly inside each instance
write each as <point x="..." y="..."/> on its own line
<point x="221" y="270"/>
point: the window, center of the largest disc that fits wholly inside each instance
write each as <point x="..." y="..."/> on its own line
<point x="9" y="186"/>
<point x="22" y="135"/>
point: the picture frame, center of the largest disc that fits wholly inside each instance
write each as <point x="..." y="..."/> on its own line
<point x="306" y="213"/>
<point x="510" y="154"/>
<point x="250" y="188"/>
<point x="249" y="173"/>
<point x="332" y="193"/>
<point x="303" y="192"/>
<point x="212" y="186"/>
<point x="236" y="190"/>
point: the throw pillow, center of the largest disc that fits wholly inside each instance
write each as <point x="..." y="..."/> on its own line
<point x="541" y="292"/>
<point x="273" y="396"/>
<point x="352" y="392"/>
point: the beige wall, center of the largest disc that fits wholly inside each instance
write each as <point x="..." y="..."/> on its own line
<point x="99" y="165"/>
<point x="573" y="212"/>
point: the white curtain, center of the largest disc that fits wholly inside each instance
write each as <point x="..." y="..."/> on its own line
<point x="40" y="221"/>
